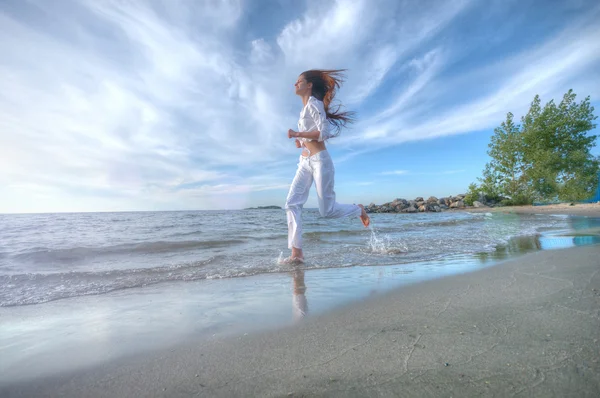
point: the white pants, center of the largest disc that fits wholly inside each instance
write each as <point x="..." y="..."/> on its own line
<point x="317" y="168"/>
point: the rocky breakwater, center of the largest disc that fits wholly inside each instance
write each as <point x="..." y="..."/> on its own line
<point x="432" y="204"/>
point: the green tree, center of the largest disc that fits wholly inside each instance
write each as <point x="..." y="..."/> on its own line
<point x="557" y="147"/>
<point x="547" y="157"/>
<point x="505" y="174"/>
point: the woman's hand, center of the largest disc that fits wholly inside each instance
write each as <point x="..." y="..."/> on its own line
<point x="298" y="145"/>
<point x="292" y="133"/>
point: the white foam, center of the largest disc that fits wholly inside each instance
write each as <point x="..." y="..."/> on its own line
<point x="384" y="244"/>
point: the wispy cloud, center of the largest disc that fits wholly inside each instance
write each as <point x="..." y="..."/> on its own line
<point x="118" y="104"/>
<point x="546" y="69"/>
<point x="394" y="172"/>
<point x="408" y="172"/>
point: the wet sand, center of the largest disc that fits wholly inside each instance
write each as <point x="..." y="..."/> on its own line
<point x="526" y="327"/>
<point x="577" y="209"/>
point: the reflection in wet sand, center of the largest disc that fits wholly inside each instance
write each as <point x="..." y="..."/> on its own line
<point x="584" y="231"/>
<point x="299" y="302"/>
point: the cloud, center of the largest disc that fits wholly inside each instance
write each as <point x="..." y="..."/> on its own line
<point x="146" y="109"/>
<point x="548" y="69"/>
<point x="395" y="172"/>
<point x="154" y="104"/>
<point x="408" y="172"/>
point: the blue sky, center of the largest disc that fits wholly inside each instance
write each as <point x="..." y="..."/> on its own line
<point x="112" y="105"/>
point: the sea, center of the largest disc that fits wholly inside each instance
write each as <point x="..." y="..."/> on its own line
<point x="82" y="289"/>
<point x="46" y="257"/>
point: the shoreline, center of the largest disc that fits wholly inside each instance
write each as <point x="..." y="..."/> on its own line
<point x="502" y="330"/>
<point x="577" y="209"/>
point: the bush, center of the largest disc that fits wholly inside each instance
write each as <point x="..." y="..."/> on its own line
<point x="519" y="200"/>
<point x="522" y="199"/>
<point x="472" y="195"/>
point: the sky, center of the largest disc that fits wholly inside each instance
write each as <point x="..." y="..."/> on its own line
<point x="110" y="105"/>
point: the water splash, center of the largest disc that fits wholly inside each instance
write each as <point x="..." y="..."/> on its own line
<point x="384" y="244"/>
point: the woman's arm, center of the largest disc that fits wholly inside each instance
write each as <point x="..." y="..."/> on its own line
<point x="311" y="135"/>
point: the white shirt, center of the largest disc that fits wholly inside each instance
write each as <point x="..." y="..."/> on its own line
<point x="314" y="118"/>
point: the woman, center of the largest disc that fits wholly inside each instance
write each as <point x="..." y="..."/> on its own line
<point x="318" y="122"/>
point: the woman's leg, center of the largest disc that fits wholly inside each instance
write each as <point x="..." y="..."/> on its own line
<point x="324" y="176"/>
<point x="293" y="205"/>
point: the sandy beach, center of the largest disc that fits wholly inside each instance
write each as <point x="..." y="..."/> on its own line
<point x="526" y="327"/>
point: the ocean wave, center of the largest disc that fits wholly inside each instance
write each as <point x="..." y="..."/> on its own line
<point x="24" y="289"/>
<point x="37" y="288"/>
<point x="188" y="233"/>
<point x="42" y="254"/>
<point x="445" y="223"/>
<point x="263" y="237"/>
<point x="29" y="289"/>
<point x="321" y="234"/>
<point x="163" y="227"/>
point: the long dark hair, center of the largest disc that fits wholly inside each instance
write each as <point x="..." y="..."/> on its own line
<point x="325" y="83"/>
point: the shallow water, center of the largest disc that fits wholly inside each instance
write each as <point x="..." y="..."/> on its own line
<point x="45" y="257"/>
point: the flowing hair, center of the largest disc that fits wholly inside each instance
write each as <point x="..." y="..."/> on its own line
<point x="325" y="83"/>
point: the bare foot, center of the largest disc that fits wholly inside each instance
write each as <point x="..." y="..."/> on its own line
<point x="364" y="217"/>
<point x="292" y="260"/>
<point x="297" y="257"/>
<point x="297" y="253"/>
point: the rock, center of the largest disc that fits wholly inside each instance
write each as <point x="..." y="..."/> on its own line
<point x="401" y="206"/>
<point x="433" y="204"/>
<point x="401" y="202"/>
<point x="457" y="205"/>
